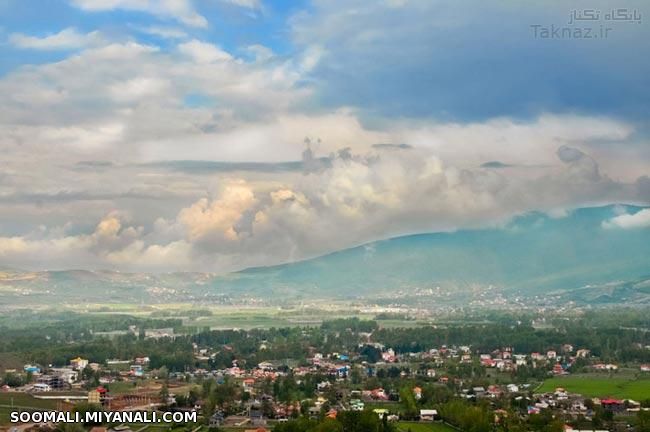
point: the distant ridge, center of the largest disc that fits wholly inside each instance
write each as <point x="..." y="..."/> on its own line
<point x="533" y="254"/>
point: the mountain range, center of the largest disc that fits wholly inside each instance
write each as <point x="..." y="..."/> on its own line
<point x="577" y="254"/>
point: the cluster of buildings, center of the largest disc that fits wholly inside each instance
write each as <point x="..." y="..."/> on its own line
<point x="577" y="406"/>
<point x="337" y="367"/>
<point x="69" y="377"/>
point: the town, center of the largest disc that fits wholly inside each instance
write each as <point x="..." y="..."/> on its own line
<point x="491" y="376"/>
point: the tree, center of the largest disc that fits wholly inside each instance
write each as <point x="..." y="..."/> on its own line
<point x="408" y="403"/>
<point x="164" y="393"/>
<point x="13" y="380"/>
<point x="163" y="373"/>
<point x="329" y="425"/>
<point x="643" y="421"/>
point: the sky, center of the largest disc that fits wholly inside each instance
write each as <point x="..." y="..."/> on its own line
<point x="215" y="135"/>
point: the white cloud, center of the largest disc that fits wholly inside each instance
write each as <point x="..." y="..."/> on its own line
<point x="218" y="218"/>
<point x="236" y="220"/>
<point x="249" y="4"/>
<point x="203" y="52"/>
<point x="640" y="219"/>
<point x="66" y="39"/>
<point x="260" y="52"/>
<point x="163" y="32"/>
<point x="181" y="10"/>
<point x="77" y="141"/>
<point x="138" y="88"/>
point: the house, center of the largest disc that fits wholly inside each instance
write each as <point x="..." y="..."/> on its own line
<point x="583" y="353"/>
<point x="32" y="368"/>
<point x="633" y="406"/>
<point x="323" y="385"/>
<point x="533" y="410"/>
<point x="607" y="367"/>
<point x="520" y="360"/>
<point x="488" y="362"/>
<point x="381" y="412"/>
<point x="561" y="394"/>
<point x="645" y="368"/>
<point x="551" y="354"/>
<point x="389" y="356"/>
<point x="51" y="382"/>
<point x="98" y="395"/>
<point x="42" y="387"/>
<point x="94" y="397"/>
<point x="578" y="407"/>
<point x="613" y="405"/>
<point x="67" y="374"/>
<point x="558" y="370"/>
<point x="268" y="366"/>
<point x="248" y="384"/>
<point x="428" y="414"/>
<point x="512" y="388"/>
<point x="417" y="393"/>
<point x="376" y="394"/>
<point x="159" y="333"/>
<point x="494" y="391"/>
<point x="78" y="363"/>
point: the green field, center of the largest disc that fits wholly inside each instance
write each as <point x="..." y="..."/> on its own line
<point x="25" y="400"/>
<point x="20" y="401"/>
<point x="423" y="427"/>
<point x="595" y="386"/>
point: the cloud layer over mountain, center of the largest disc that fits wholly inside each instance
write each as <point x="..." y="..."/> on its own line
<point x="150" y="138"/>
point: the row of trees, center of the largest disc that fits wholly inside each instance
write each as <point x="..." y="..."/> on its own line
<point x="55" y="342"/>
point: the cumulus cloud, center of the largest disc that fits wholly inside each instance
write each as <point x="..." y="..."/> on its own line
<point x="252" y="179"/>
<point x="66" y="39"/>
<point x="582" y="166"/>
<point x="215" y="162"/>
<point x="163" y="32"/>
<point x="217" y="220"/>
<point x="260" y="52"/>
<point x="355" y="198"/>
<point x="640" y="219"/>
<point x="181" y="10"/>
<point x="203" y="52"/>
